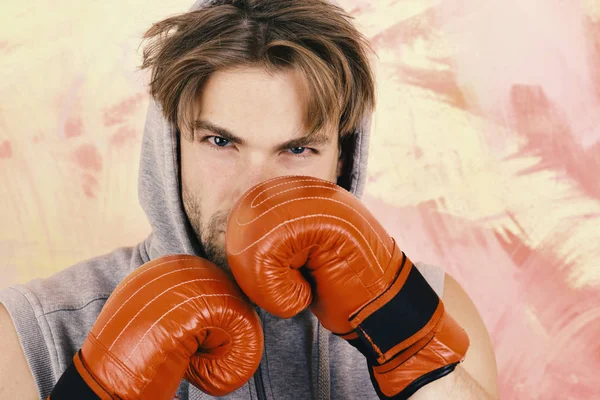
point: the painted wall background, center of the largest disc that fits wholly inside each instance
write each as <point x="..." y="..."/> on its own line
<point x="485" y="157"/>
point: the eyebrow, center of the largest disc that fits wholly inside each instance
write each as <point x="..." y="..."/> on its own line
<point x="217" y="130"/>
<point x="315" y="139"/>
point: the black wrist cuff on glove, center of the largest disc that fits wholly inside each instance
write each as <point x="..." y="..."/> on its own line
<point x="72" y="386"/>
<point x="401" y="319"/>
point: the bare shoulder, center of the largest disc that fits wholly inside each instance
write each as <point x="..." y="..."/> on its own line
<point x="480" y="361"/>
<point x="16" y="380"/>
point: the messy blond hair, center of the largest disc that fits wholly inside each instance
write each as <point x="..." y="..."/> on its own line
<point x="315" y="37"/>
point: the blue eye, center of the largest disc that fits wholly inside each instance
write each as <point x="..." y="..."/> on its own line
<point x="298" y="150"/>
<point x="219" y="141"/>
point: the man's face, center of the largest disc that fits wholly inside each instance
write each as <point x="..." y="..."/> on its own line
<point x="250" y="129"/>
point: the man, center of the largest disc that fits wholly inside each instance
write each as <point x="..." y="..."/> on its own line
<point x="242" y="91"/>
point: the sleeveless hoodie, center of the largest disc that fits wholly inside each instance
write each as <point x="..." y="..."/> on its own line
<point x="301" y="359"/>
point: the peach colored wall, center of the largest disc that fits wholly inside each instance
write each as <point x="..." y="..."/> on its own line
<point x="485" y="157"/>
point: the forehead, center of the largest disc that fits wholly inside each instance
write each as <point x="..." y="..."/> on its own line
<point x="252" y="101"/>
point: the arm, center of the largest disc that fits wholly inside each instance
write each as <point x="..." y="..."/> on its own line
<point x="16" y="380"/>
<point x="457" y="385"/>
<point x="476" y="377"/>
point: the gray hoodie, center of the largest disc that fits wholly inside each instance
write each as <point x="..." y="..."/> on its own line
<point x="301" y="359"/>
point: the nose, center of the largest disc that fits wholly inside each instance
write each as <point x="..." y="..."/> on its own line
<point x="254" y="171"/>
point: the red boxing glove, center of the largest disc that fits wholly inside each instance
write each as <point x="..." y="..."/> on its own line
<point x="294" y="242"/>
<point x="174" y="317"/>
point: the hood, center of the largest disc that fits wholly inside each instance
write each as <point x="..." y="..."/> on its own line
<point x="159" y="188"/>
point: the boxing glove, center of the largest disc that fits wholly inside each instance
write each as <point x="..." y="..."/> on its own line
<point x="175" y="317"/>
<point x="296" y="242"/>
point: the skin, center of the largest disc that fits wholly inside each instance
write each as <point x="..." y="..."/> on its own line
<point x="16" y="380"/>
<point x="217" y="167"/>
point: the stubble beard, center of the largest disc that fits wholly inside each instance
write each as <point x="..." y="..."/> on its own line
<point x="208" y="234"/>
